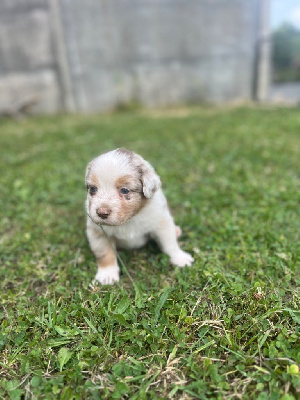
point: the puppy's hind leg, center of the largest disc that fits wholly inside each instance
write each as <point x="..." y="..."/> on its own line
<point x="166" y="236"/>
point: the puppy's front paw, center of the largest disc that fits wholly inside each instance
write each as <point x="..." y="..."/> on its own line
<point x="108" y="275"/>
<point x="181" y="259"/>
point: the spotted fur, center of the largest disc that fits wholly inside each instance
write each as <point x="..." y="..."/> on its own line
<point x="131" y="218"/>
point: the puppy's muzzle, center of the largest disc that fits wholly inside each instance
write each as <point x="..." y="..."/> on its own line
<point x="103" y="212"/>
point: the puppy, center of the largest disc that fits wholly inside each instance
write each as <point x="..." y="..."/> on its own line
<point x="125" y="200"/>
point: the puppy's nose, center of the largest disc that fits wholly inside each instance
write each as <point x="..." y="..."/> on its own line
<point x="103" y="212"/>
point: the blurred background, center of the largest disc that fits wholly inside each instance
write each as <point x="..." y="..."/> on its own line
<point x="99" y="55"/>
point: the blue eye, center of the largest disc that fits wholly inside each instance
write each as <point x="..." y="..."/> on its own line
<point x="92" y="190"/>
<point x="124" y="191"/>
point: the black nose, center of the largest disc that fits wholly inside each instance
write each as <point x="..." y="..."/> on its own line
<point x="103" y="212"/>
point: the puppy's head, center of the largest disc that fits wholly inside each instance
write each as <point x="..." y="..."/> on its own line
<point x="119" y="184"/>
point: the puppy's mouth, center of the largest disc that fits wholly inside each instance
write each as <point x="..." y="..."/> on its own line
<point x="106" y="222"/>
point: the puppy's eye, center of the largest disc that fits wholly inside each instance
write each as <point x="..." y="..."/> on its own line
<point x="92" y="190"/>
<point x="124" y="191"/>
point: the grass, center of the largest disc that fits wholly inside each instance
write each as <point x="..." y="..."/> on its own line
<point x="225" y="328"/>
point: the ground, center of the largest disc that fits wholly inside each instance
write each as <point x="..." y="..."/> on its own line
<point x="225" y="328"/>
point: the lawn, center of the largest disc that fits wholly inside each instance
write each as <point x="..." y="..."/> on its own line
<point x="225" y="328"/>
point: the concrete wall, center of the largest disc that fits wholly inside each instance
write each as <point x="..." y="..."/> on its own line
<point x="27" y="63"/>
<point x="95" y="54"/>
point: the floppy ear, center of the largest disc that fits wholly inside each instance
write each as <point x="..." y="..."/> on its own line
<point x="150" y="180"/>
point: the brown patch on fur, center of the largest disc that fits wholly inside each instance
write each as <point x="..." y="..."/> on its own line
<point x="108" y="259"/>
<point x="131" y="206"/>
<point x="150" y="180"/>
<point x="132" y="202"/>
<point x="130" y="182"/>
<point x="92" y="180"/>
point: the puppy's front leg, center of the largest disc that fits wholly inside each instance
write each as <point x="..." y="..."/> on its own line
<point x="166" y="237"/>
<point x="108" y="269"/>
